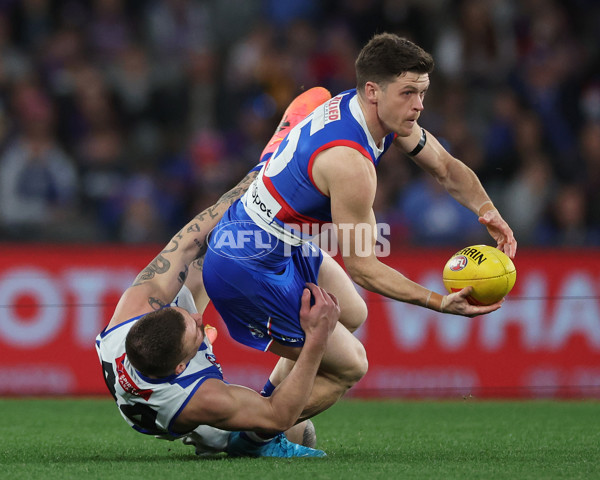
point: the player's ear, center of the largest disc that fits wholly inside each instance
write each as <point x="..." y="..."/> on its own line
<point x="180" y="368"/>
<point x="371" y="91"/>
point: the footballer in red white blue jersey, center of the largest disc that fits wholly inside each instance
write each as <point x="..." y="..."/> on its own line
<point x="260" y="255"/>
<point x="284" y="193"/>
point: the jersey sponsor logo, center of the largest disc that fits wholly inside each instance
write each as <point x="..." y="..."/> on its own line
<point x="258" y="203"/>
<point x="332" y="110"/>
<point x="212" y="359"/>
<point x="127" y="382"/>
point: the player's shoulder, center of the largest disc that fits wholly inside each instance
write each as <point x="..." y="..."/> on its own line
<point x="135" y="302"/>
<point x="344" y="167"/>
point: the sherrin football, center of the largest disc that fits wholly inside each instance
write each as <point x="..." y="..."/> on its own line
<point x="489" y="271"/>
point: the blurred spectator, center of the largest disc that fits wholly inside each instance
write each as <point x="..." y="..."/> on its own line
<point x="103" y="178"/>
<point x="551" y="59"/>
<point x="333" y="64"/>
<point x="141" y="112"/>
<point x="476" y="44"/>
<point x="33" y="23"/>
<point x="111" y="30"/>
<point x="283" y="14"/>
<point x="434" y="218"/>
<point x="61" y="56"/>
<point x="361" y="17"/>
<point x="590" y="174"/>
<point x="566" y="224"/>
<point x="38" y="181"/>
<point x="303" y="43"/>
<point x="174" y="29"/>
<point x="525" y="197"/>
<point x="89" y="105"/>
<point x="202" y="90"/>
<point x="141" y="220"/>
<point x="14" y="63"/>
<point x="242" y="72"/>
<point x="131" y="80"/>
<point x="501" y="138"/>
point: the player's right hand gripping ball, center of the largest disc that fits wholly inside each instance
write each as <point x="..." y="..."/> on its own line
<point x="488" y="270"/>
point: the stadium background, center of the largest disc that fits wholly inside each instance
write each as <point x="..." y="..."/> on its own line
<point x="119" y="120"/>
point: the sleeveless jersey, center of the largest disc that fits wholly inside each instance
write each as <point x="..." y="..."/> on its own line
<point x="150" y="405"/>
<point x="284" y="196"/>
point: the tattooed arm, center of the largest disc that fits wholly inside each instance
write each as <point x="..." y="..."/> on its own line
<point x="195" y="282"/>
<point x="158" y="284"/>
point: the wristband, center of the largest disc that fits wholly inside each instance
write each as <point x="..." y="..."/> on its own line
<point x="434" y="301"/>
<point x="442" y="305"/>
<point x="491" y="207"/>
<point x="420" y="145"/>
<point x="428" y="298"/>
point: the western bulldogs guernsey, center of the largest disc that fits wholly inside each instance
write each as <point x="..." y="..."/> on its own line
<point x="283" y="197"/>
<point x="260" y="257"/>
<point x="151" y="405"/>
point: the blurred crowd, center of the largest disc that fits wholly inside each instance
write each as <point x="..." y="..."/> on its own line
<point x="120" y="120"/>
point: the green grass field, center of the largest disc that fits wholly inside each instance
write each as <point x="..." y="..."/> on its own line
<point x="86" y="438"/>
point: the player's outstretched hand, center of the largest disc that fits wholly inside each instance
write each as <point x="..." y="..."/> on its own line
<point x="457" y="304"/>
<point x="500" y="231"/>
<point x="320" y="319"/>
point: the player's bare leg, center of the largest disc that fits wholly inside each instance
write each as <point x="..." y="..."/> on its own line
<point x="296" y="111"/>
<point x="208" y="440"/>
<point x="344" y="364"/>
<point x="334" y="279"/>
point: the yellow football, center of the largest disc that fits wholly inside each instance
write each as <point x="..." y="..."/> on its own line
<point x="488" y="270"/>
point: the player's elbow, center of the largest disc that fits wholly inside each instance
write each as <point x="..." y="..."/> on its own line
<point x="286" y="425"/>
<point x="280" y="423"/>
<point x="360" y="273"/>
<point x="360" y="279"/>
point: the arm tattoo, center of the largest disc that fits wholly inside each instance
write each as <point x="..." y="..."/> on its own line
<point x="156" y="303"/>
<point x="175" y="245"/>
<point x="183" y="275"/>
<point x="202" y="248"/>
<point x="237" y="191"/>
<point x="209" y="211"/>
<point x="158" y="265"/>
<point x="229" y="197"/>
<point x="198" y="263"/>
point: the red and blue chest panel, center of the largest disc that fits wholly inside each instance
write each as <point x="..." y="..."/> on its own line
<point x="284" y="197"/>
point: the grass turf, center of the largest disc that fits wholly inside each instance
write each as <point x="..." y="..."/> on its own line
<point x="87" y="439"/>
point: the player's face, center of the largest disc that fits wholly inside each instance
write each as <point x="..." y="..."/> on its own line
<point x="193" y="335"/>
<point x="400" y="103"/>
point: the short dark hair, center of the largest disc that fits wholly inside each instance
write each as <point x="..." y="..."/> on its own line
<point x="387" y="56"/>
<point x="154" y="345"/>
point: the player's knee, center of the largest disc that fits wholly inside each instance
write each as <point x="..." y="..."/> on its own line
<point x="356" y="367"/>
<point x="355" y="316"/>
<point x="362" y="364"/>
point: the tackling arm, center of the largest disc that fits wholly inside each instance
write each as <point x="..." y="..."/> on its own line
<point x="233" y="407"/>
<point x="158" y="284"/>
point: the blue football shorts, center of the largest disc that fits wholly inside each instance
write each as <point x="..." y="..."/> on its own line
<point x="259" y="305"/>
